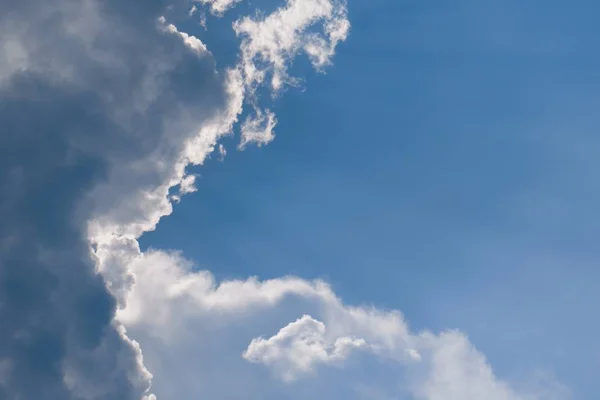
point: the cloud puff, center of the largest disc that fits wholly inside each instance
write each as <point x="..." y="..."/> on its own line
<point x="258" y="128"/>
<point x="218" y="7"/>
<point x="186" y="319"/>
<point x="298" y="346"/>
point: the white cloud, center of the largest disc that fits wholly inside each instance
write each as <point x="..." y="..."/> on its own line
<point x="218" y="7"/>
<point x="459" y="372"/>
<point x="212" y="327"/>
<point x="300" y="345"/>
<point x="191" y="41"/>
<point x="138" y="209"/>
<point x="270" y="43"/>
<point x="135" y="196"/>
<point x="258" y="128"/>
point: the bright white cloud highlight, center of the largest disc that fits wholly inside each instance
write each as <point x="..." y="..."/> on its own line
<point x="218" y="7"/>
<point x="191" y="41"/>
<point x="300" y="345"/>
<point x="269" y="44"/>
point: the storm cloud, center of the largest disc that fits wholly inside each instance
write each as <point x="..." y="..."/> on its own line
<point x="95" y="98"/>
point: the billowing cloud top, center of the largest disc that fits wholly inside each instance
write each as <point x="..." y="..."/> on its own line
<point x="103" y="104"/>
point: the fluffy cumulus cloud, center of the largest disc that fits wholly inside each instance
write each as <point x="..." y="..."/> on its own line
<point x="298" y="346"/>
<point x="103" y="105"/>
<point x="302" y="335"/>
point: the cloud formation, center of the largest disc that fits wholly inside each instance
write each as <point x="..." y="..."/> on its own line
<point x="97" y="103"/>
<point x="299" y="346"/>
<point x="216" y="328"/>
<point x="218" y="7"/>
<point x="270" y="43"/>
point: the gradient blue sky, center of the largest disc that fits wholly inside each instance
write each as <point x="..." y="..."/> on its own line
<point x="446" y="166"/>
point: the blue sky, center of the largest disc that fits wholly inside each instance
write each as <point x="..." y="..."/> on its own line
<point x="422" y="226"/>
<point x="443" y="167"/>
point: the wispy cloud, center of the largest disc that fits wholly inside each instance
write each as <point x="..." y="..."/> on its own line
<point x="270" y="43"/>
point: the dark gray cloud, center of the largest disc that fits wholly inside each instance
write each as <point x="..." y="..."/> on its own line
<point x="87" y="88"/>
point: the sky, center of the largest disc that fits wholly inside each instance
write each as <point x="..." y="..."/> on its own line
<point x="224" y="199"/>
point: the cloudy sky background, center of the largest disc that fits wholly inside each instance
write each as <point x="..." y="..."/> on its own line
<point x="412" y="215"/>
